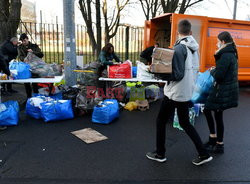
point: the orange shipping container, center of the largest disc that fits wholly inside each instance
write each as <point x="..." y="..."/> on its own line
<point x="163" y="29"/>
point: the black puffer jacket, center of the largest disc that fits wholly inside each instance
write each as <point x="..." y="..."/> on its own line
<point x="225" y="92"/>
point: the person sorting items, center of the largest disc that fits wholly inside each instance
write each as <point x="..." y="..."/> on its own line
<point x="146" y="55"/>
<point x="9" y="52"/>
<point x="23" y="51"/>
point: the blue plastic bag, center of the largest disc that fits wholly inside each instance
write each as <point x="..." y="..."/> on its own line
<point x="106" y="112"/>
<point x="57" y="110"/>
<point x="134" y="71"/>
<point x="202" y="87"/>
<point x="10" y="116"/>
<point x="23" y="69"/>
<point x="33" y="111"/>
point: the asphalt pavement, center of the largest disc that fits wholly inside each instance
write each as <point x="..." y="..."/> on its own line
<point x="35" y="152"/>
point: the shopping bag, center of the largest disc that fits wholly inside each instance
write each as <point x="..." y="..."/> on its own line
<point x="23" y="69"/>
<point x="106" y="112"/>
<point x="33" y="111"/>
<point x="134" y="71"/>
<point x="123" y="70"/>
<point x="143" y="71"/>
<point x="137" y="93"/>
<point x="192" y="115"/>
<point x="57" y="110"/>
<point x="33" y="105"/>
<point x="202" y="87"/>
<point x="10" y="115"/>
<point x="152" y="92"/>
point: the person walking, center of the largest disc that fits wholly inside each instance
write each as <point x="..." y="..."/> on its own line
<point x="23" y="51"/>
<point x="9" y="52"/>
<point x="225" y="91"/>
<point x="178" y="93"/>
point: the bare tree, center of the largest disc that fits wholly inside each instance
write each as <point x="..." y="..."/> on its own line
<point x="112" y="23"/>
<point x="9" y="18"/>
<point x="98" y="27"/>
<point x="171" y="6"/>
<point x="150" y="8"/>
<point x="86" y="10"/>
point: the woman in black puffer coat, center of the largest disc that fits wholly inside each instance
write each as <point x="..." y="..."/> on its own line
<point x="225" y="91"/>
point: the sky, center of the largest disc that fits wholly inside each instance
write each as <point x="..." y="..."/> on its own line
<point x="211" y="8"/>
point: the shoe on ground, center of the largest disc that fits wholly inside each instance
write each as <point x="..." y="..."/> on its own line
<point x="3" y="128"/>
<point x="210" y="144"/>
<point x="218" y="148"/>
<point x="202" y="160"/>
<point x="12" y="91"/>
<point x="154" y="156"/>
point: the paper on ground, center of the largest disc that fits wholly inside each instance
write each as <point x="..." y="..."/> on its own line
<point x="89" y="135"/>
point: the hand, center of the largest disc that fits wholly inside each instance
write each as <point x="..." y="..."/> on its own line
<point x="150" y="67"/>
<point x="30" y="50"/>
<point x="213" y="67"/>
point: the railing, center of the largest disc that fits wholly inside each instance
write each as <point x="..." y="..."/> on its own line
<point x="128" y="41"/>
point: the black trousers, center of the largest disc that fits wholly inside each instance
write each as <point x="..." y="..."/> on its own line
<point x="28" y="89"/>
<point x="167" y="109"/>
<point x="9" y="86"/>
<point x="218" y="116"/>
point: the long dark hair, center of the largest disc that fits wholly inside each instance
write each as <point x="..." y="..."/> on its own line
<point x="227" y="38"/>
<point x="107" y="48"/>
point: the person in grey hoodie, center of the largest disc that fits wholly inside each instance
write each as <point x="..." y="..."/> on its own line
<point x="177" y="94"/>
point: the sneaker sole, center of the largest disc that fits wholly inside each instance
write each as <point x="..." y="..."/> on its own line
<point x="156" y="159"/>
<point x="203" y="162"/>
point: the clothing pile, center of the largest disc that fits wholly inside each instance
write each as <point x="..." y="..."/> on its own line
<point x="40" y="69"/>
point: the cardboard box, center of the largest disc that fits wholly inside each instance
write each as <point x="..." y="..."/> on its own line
<point x="162" y="60"/>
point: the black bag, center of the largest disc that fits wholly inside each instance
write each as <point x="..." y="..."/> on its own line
<point x="71" y="93"/>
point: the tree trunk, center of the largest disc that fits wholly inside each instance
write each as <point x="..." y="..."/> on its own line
<point x="91" y="37"/>
<point x="9" y="18"/>
<point x="98" y="27"/>
<point x="87" y="16"/>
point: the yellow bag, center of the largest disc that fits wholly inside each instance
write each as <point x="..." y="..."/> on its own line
<point x="131" y="106"/>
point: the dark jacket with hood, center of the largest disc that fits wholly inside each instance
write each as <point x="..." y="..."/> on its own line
<point x="9" y="51"/>
<point x="225" y="92"/>
<point x="23" y="50"/>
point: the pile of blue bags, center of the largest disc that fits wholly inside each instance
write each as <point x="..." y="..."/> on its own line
<point x="48" y="109"/>
<point x="106" y="112"/>
<point x="9" y="113"/>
